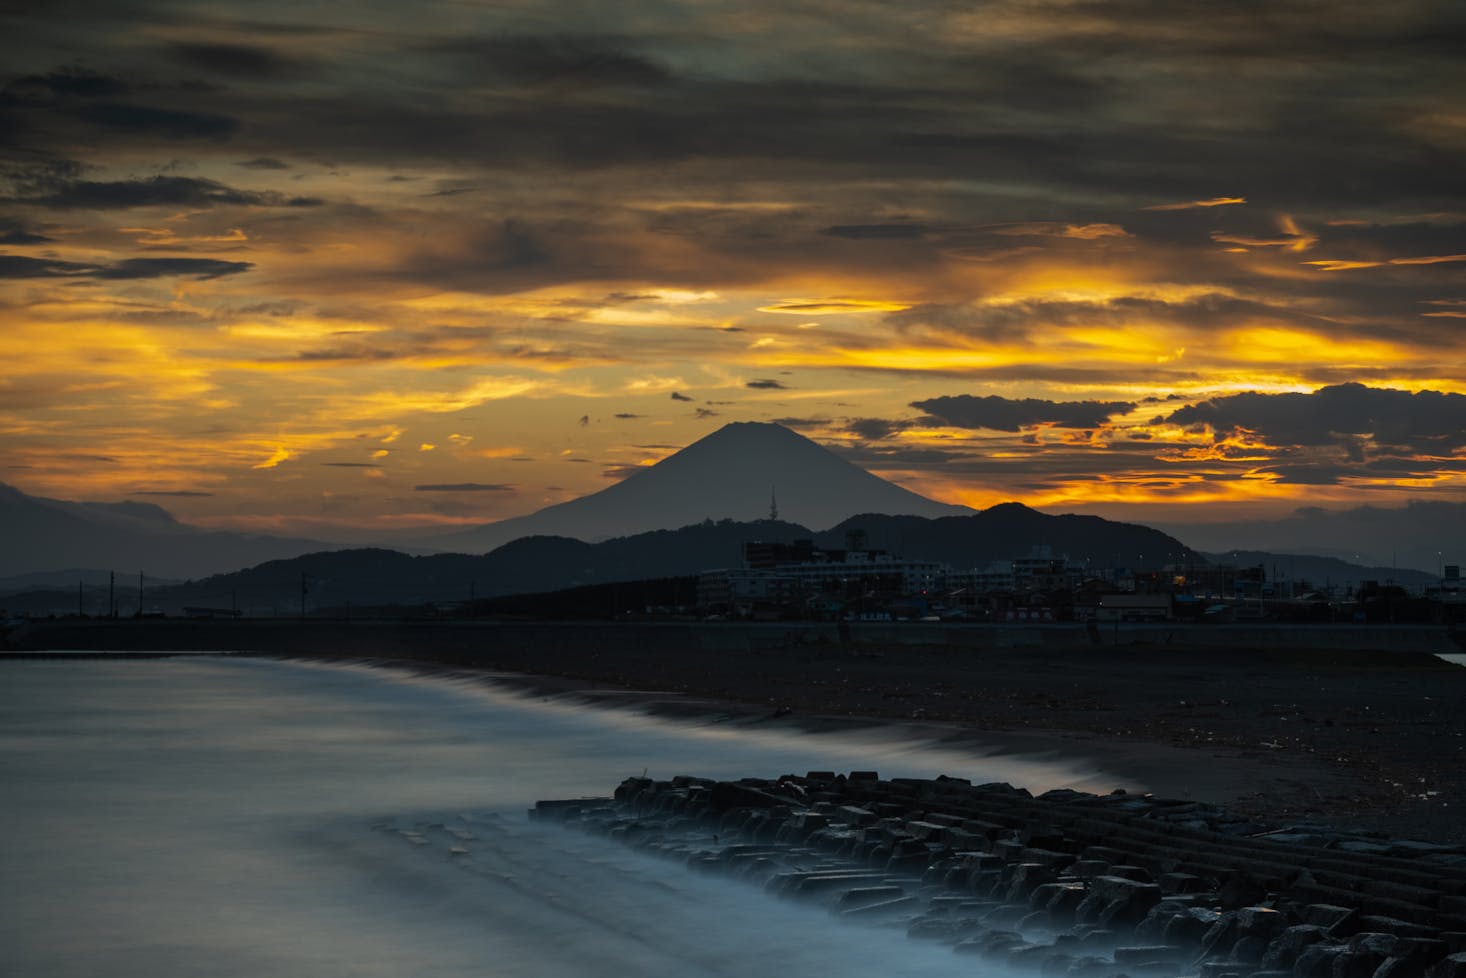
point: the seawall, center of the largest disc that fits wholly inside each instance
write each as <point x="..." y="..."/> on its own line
<point x="446" y="640"/>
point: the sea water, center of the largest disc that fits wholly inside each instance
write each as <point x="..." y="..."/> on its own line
<point x="220" y="816"/>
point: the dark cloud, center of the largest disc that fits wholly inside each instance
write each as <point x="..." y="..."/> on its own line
<point x="201" y="268"/>
<point x="72" y="81"/>
<point x="1004" y="414"/>
<point x="1310" y="474"/>
<point x="178" y="493"/>
<point x="466" y="487"/>
<point x="864" y="232"/>
<point x="876" y="428"/>
<point x="263" y="163"/>
<point x="676" y="396"/>
<point x="13" y="232"/>
<point x="172" y="123"/>
<point x="558" y="61"/>
<point x="238" y="60"/>
<point x="352" y="465"/>
<point x="150" y="192"/>
<point x="802" y="422"/>
<point x="1424" y="420"/>
<point x="626" y="416"/>
<point x="705" y="413"/>
<point x="20" y="266"/>
<point x="766" y="384"/>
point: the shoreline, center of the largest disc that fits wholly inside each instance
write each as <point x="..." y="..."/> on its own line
<point x="1283" y="732"/>
<point x="1275" y="785"/>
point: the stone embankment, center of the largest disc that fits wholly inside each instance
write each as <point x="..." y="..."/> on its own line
<point x="1065" y="883"/>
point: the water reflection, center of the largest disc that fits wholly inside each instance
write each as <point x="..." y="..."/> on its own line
<point x="210" y="816"/>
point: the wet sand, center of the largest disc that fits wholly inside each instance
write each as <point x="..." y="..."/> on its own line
<point x="1365" y="741"/>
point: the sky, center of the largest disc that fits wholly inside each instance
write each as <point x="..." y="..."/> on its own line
<point x="331" y="269"/>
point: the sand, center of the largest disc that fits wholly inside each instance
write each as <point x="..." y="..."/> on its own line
<point x="1362" y="741"/>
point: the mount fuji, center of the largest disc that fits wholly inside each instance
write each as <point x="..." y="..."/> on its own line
<point x="735" y="473"/>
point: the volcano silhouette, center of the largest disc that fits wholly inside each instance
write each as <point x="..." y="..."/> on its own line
<point x="738" y="472"/>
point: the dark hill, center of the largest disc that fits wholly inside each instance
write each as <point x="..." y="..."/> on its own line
<point x="1012" y="530"/>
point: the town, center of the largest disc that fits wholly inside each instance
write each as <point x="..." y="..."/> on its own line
<point x="802" y="581"/>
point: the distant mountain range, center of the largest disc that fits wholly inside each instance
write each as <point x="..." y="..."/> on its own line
<point x="40" y="535"/>
<point x="365" y="577"/>
<point x="691" y="511"/>
<point x="1422" y="535"/>
<point x="739" y="472"/>
<point x="1322" y="572"/>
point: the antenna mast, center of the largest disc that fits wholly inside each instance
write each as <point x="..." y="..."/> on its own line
<point x="773" y="505"/>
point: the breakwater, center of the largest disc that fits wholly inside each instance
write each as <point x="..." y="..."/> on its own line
<point x="1066" y="883"/>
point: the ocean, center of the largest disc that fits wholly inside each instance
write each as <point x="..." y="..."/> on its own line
<point x="213" y="817"/>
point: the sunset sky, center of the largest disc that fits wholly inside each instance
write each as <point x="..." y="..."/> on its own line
<point x="326" y="268"/>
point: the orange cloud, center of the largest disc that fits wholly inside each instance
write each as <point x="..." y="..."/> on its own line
<point x="1292" y="239"/>
<point x="1338" y="265"/>
<point x="1191" y="204"/>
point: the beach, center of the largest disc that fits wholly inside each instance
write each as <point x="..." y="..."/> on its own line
<point x="1363" y="741"/>
<point x="1286" y="730"/>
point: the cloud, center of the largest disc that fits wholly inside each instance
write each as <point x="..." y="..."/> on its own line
<point x="1194" y="204"/>
<point x="73" y="81"/>
<point x="172" y="123"/>
<point x="1052" y="229"/>
<point x="15" y="232"/>
<point x="467" y="487"/>
<point x="1338" y="265"/>
<point x="818" y="307"/>
<point x="263" y="163"/>
<point x="1392" y="419"/>
<point x="1291" y="238"/>
<point x="562" y="61"/>
<point x="878" y="232"/>
<point x="180" y="493"/>
<point x="678" y="396"/>
<point x="352" y="465"/>
<point x="21" y="266"/>
<point x="238" y="60"/>
<point x="158" y="191"/>
<point x="1004" y="414"/>
<point x="766" y="384"/>
<point x="876" y="428"/>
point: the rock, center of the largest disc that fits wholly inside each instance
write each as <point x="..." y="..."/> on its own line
<point x="1285" y="948"/>
<point x="1317" y="960"/>
<point x="1263" y="922"/>
<point x="1451" y="966"/>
